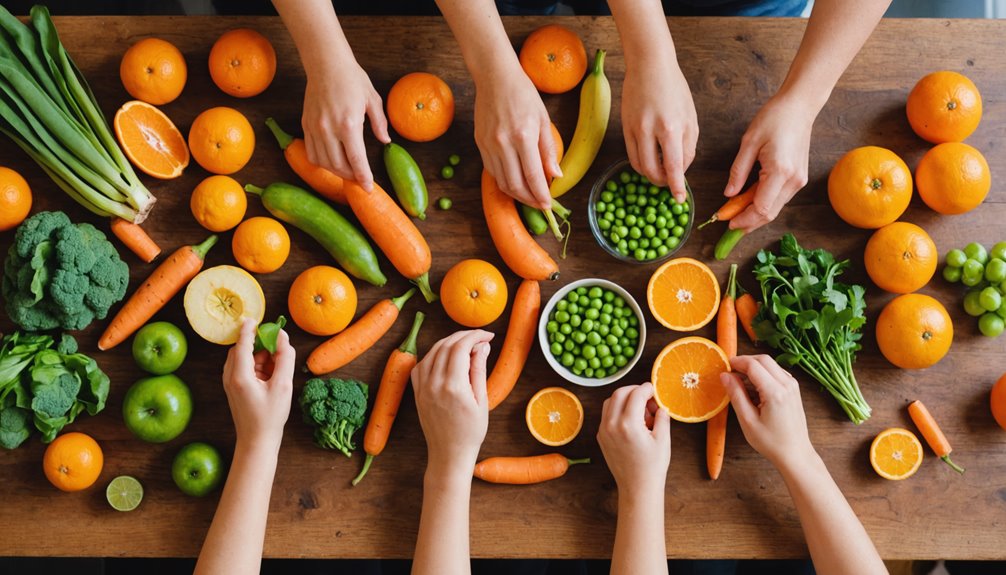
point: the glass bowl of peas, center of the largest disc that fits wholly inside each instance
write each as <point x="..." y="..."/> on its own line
<point x="637" y="221"/>
<point x="592" y="332"/>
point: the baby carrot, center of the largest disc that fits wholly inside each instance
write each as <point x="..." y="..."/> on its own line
<point x="137" y="240"/>
<point x="747" y="309"/>
<point x="732" y="207"/>
<point x="932" y="432"/>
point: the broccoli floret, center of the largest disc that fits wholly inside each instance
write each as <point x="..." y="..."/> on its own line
<point x="54" y="388"/>
<point x="67" y="344"/>
<point x="61" y="275"/>
<point x="15" y="426"/>
<point x="336" y="408"/>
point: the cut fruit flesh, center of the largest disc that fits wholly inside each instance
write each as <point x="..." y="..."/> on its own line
<point x="217" y="301"/>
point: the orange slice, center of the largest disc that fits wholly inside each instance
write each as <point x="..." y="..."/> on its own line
<point x="683" y="294"/>
<point x="686" y="379"/>
<point x="896" y="454"/>
<point x="150" y="140"/>
<point x="554" y="416"/>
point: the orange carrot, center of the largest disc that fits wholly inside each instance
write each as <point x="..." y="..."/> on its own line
<point x="319" y="179"/>
<point x="394" y="233"/>
<point x="513" y="242"/>
<point x="389" y="396"/>
<point x="732" y="207"/>
<point x="747" y="309"/>
<point x="726" y="338"/>
<point x="524" y="470"/>
<point x="167" y="280"/>
<point x="137" y="240"/>
<point x="932" y="432"/>
<point x="517" y="345"/>
<point x="348" y="344"/>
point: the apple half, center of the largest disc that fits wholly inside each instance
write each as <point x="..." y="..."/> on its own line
<point x="217" y="301"/>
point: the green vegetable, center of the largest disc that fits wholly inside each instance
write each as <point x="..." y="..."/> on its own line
<point x="534" y="219"/>
<point x="312" y="215"/>
<point x="407" y="180"/>
<point x="444" y="203"/>
<point x="813" y="319"/>
<point x="335" y="407"/>
<point x="727" y="242"/>
<point x="267" y="333"/>
<point x="639" y="222"/>
<point x="49" y="111"/>
<point x="61" y="275"/>
<point x="592" y="332"/>
<point x="447" y="172"/>
<point x="454" y="159"/>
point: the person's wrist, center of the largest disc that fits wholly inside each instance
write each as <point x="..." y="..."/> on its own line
<point x="801" y="105"/>
<point x="261" y="444"/>
<point x="794" y="461"/>
<point x="449" y="471"/>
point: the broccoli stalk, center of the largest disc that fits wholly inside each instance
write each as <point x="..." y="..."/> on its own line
<point x="335" y="408"/>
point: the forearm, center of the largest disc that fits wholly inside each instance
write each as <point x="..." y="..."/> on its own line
<point x="836" y="30"/>
<point x="443" y="547"/>
<point x="234" y="541"/>
<point x="316" y="32"/>
<point x="838" y="543"/>
<point x="639" y="535"/>
<point x="643" y="30"/>
<point x="484" y="44"/>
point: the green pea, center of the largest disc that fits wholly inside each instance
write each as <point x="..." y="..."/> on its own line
<point x="635" y="233"/>
<point x="589" y="372"/>
<point x="677" y="231"/>
<point x="630" y="199"/>
<point x="642" y="201"/>
<point x="583" y="302"/>
<point x="677" y="209"/>
<point x="581" y="291"/>
<point x="623" y="246"/>
<point x="642" y="179"/>
<point x="566" y="360"/>
<point x="602" y="329"/>
<point x="558" y="337"/>
<point x="573" y="309"/>
<point x="623" y="231"/>
<point x="656" y="242"/>
<point x="673" y="242"/>
<point x="663" y="233"/>
<point x="624" y="177"/>
<point x="611" y="339"/>
<point x="662" y="250"/>
<point x="587" y="326"/>
<point x="621" y="360"/>
<point x="604" y="224"/>
<point x="603" y="350"/>
<point x="651" y="254"/>
<point x="454" y="159"/>
<point x="610" y="186"/>
<point x="650" y="218"/>
<point x="595" y="292"/>
<point x="609" y="296"/>
<point x="569" y="345"/>
<point x="561" y="316"/>
<point x="594" y="363"/>
<point x="579" y="337"/>
<point x="633" y="244"/>
<point x="600" y="206"/>
<point x="640" y="255"/>
<point x="683" y="219"/>
<point x="592" y="313"/>
<point x="589" y="352"/>
<point x="444" y="203"/>
<point x="616" y="350"/>
<point x="604" y="318"/>
<point x="607" y="361"/>
<point x="632" y="333"/>
<point x="630" y="220"/>
<point x="619" y="202"/>
<point x="555" y="348"/>
<point x="630" y="188"/>
<point x="649" y="231"/>
<point x="596" y="304"/>
<point x="607" y="307"/>
<point x="687" y="207"/>
<point x="575" y="320"/>
<point x="580" y="363"/>
<point x="593" y="338"/>
<point x="625" y="343"/>
<point x="618" y="302"/>
<point x="565" y="329"/>
<point x="552" y="326"/>
<point x="633" y="321"/>
<point x="644" y="243"/>
<point x="447" y="172"/>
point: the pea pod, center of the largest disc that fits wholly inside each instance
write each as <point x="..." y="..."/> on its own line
<point x="534" y="219"/>
<point x="407" y="180"/>
<point x="312" y="215"/>
<point x="727" y="242"/>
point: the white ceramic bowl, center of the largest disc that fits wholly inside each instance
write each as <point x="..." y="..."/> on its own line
<point x="543" y="335"/>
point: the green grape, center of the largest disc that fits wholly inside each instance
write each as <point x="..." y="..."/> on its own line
<point x="956" y="258"/>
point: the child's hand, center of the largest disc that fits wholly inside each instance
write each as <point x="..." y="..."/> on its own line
<point x="259" y="397"/>
<point x="776" y="427"/>
<point x="450" y="389"/>
<point x="635" y="437"/>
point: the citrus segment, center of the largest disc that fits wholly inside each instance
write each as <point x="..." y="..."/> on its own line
<point x="554" y="416"/>
<point x="683" y="294"/>
<point x="150" y="140"/>
<point x="124" y="493"/>
<point x="686" y="379"/>
<point x="896" y="454"/>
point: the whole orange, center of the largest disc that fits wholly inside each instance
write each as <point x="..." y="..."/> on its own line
<point x="901" y="257"/>
<point x="953" y="178"/>
<point x="15" y="199"/>
<point x="221" y="140"/>
<point x="870" y="187"/>
<point x="944" y="107"/>
<point x="261" y="245"/>
<point x="73" y="461"/>
<point x="218" y="203"/>
<point x="998" y="400"/>
<point x="242" y="63"/>
<point x="554" y="58"/>
<point x="322" y="300"/>
<point x="420" y="107"/>
<point x="914" y="331"/>
<point x="153" y="70"/>
<point x="473" y="293"/>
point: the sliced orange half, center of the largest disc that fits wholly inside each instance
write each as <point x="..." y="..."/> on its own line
<point x="686" y="379"/>
<point x="150" y="140"/>
<point x="896" y="453"/>
<point x="683" y="294"/>
<point x="554" y="416"/>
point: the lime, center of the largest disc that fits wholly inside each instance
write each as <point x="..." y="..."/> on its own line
<point x="956" y="258"/>
<point x="972" y="305"/>
<point x="124" y="493"/>
<point x="998" y="251"/>
<point x="995" y="271"/>
<point x="952" y="274"/>
<point x="976" y="251"/>
<point x="991" y="325"/>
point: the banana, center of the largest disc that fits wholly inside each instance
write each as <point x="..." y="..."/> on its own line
<point x="592" y="123"/>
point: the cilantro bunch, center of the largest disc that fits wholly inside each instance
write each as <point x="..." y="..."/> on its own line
<point x="814" y="320"/>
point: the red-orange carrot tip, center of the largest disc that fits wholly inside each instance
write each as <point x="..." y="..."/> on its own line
<point x="932" y="432"/>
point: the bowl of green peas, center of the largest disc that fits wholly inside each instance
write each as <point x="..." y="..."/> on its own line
<point x="637" y="221"/>
<point x="592" y="332"/>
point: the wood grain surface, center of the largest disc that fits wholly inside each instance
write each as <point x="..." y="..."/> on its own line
<point x="733" y="66"/>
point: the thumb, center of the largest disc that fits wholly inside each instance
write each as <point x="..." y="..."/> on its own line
<point x="477" y="373"/>
<point x="740" y="400"/>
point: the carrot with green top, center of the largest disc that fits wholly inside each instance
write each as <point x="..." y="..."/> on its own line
<point x="932" y="432"/>
<point x="319" y="179"/>
<point x="525" y="470"/>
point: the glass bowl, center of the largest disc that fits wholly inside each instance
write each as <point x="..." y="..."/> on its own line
<point x="599" y="187"/>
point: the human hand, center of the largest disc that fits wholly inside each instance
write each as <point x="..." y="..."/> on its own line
<point x="338" y="97"/>
<point x="659" y="123"/>
<point x="450" y="389"/>
<point x="635" y="438"/>
<point x="776" y="427"/>
<point x="259" y="387"/>
<point x="513" y="133"/>
<point x="779" y="140"/>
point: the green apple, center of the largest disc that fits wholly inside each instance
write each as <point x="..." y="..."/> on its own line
<point x="159" y="348"/>
<point x="197" y="469"/>
<point x="157" y="409"/>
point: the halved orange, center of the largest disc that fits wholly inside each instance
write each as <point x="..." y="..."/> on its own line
<point x="554" y="416"/>
<point x="150" y="140"/>
<point x="896" y="453"/>
<point x="686" y="379"/>
<point x="683" y="294"/>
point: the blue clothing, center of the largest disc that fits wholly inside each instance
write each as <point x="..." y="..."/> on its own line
<point x="671" y="7"/>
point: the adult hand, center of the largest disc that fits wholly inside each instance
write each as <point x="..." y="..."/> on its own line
<point x="635" y="438"/>
<point x="450" y="390"/>
<point x="513" y="133"/>
<point x="259" y="387"/>
<point x="779" y="140"/>
<point x="338" y="97"/>
<point x="776" y="426"/>
<point x="659" y="123"/>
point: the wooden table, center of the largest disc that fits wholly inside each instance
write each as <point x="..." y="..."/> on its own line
<point x="733" y="66"/>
